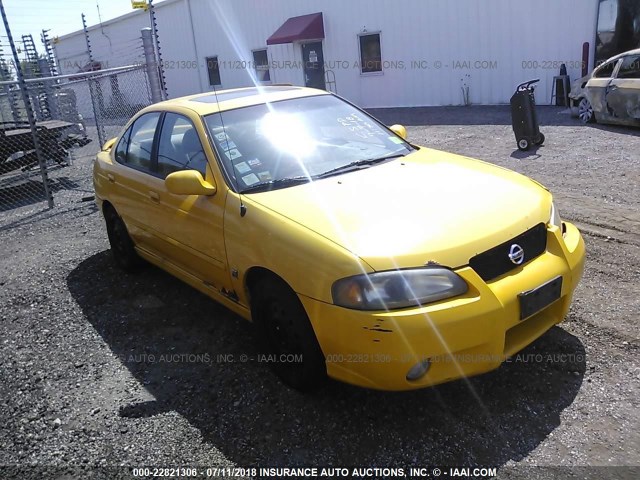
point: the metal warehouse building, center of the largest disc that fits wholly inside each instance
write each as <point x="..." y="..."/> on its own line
<point x="375" y="53"/>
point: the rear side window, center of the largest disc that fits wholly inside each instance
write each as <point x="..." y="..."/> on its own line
<point x="121" y="148"/>
<point x="141" y="141"/>
<point x="179" y="146"/>
<point x="607" y="70"/>
<point x="630" y="67"/>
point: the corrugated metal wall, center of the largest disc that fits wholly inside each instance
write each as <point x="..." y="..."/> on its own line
<point x="431" y="48"/>
<point x="114" y="44"/>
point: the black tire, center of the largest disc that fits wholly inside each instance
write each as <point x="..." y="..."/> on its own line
<point x="122" y="248"/>
<point x="540" y="139"/>
<point x="284" y="328"/>
<point x="523" y="144"/>
<point x="585" y="111"/>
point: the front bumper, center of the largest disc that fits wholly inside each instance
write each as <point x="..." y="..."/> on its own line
<point x="464" y="336"/>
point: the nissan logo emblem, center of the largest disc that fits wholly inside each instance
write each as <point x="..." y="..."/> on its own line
<point x="516" y="254"/>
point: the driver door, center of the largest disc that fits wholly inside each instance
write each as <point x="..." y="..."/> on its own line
<point x="598" y="87"/>
<point x="189" y="227"/>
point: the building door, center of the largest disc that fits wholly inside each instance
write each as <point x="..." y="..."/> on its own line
<point x="313" y="65"/>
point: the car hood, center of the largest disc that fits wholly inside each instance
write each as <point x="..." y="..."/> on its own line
<point x="427" y="206"/>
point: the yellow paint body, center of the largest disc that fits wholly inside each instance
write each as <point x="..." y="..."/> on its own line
<point x="427" y="206"/>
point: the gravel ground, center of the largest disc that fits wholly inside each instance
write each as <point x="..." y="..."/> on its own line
<point x="99" y="368"/>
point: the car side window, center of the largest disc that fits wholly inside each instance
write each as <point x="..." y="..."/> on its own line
<point x="630" y="67"/>
<point x="141" y="141"/>
<point x="607" y="70"/>
<point x="179" y="146"/>
<point x="121" y="148"/>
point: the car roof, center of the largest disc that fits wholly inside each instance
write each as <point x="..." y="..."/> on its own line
<point x="623" y="54"/>
<point x="223" y="100"/>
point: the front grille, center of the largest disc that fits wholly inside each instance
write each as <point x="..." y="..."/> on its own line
<point x="496" y="262"/>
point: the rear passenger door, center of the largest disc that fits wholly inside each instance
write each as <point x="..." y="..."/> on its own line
<point x="189" y="227"/>
<point x="131" y="175"/>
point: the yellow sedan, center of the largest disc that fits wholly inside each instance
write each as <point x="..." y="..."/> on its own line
<point x="356" y="254"/>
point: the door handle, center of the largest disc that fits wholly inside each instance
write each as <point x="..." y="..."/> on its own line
<point x="111" y="178"/>
<point x="154" y="196"/>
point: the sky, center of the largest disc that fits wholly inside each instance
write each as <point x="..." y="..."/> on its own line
<point x="60" y="16"/>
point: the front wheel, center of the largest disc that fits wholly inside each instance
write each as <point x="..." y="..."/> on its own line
<point x="540" y="139"/>
<point x="585" y="111"/>
<point x="286" y="333"/>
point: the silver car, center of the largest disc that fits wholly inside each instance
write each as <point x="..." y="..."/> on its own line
<point x="611" y="94"/>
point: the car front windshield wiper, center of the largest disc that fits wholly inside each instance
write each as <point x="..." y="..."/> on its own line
<point x="277" y="183"/>
<point x="358" y="165"/>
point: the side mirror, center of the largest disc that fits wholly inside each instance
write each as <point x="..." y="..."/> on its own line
<point x="188" y="182"/>
<point x="399" y="130"/>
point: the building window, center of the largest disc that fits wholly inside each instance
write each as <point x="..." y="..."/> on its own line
<point x="370" y="53"/>
<point x="261" y="64"/>
<point x="213" y="68"/>
<point x="618" y="28"/>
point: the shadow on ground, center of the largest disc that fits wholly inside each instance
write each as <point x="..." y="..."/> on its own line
<point x="31" y="191"/>
<point x="85" y="208"/>
<point x="246" y="413"/>
<point x="483" y="115"/>
<point x="471" y="115"/>
<point x="531" y="154"/>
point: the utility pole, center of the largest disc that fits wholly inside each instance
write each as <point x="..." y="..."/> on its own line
<point x="27" y="106"/>
<point x="153" y="73"/>
<point x="156" y="41"/>
<point x="94" y="89"/>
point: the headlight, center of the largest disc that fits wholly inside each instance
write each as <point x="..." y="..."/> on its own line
<point x="397" y="288"/>
<point x="554" y="217"/>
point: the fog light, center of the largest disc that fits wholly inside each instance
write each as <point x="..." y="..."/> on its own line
<point x="419" y="370"/>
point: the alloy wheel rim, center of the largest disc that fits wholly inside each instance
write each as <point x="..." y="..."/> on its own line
<point x="585" y="110"/>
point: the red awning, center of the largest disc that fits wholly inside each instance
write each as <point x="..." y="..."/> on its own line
<point x="305" y="27"/>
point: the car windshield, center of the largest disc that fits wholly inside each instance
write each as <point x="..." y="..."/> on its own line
<point x="288" y="142"/>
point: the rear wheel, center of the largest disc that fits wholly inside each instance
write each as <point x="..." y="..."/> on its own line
<point x="285" y="332"/>
<point x="540" y="139"/>
<point x="585" y="111"/>
<point x="124" y="252"/>
<point x="523" y="144"/>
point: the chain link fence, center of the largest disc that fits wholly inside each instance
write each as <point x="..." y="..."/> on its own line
<point x="74" y="115"/>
